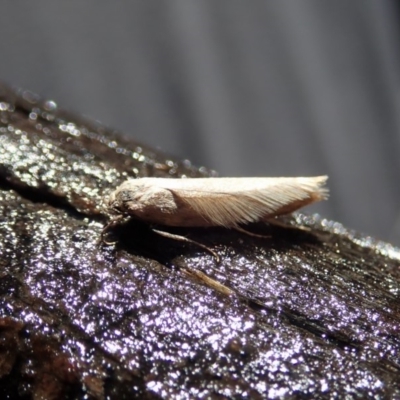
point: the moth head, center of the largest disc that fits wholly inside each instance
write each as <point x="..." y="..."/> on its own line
<point x="111" y="205"/>
<point x="127" y="198"/>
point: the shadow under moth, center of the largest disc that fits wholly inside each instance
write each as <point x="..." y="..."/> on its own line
<point x="211" y="202"/>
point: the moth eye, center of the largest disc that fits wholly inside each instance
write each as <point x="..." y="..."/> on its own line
<point x="126" y="195"/>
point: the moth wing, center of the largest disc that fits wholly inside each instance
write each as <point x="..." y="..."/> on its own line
<point x="224" y="209"/>
<point x="241" y="206"/>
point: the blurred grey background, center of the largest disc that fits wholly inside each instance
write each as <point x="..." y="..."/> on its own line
<point x="248" y="88"/>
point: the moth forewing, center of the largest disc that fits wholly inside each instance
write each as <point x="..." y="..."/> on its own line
<point x="229" y="202"/>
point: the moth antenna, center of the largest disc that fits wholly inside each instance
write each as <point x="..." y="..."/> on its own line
<point x="240" y="229"/>
<point x="185" y="239"/>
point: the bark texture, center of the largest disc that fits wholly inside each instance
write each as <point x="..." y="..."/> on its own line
<point x="301" y="315"/>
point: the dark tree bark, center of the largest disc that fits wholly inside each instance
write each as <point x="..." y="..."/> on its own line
<point x="301" y="315"/>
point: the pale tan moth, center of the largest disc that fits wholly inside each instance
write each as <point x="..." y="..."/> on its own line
<point x="210" y="202"/>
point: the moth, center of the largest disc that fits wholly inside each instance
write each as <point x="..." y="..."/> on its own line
<point x="211" y="202"/>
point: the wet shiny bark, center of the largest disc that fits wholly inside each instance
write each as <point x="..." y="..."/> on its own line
<point x="300" y="315"/>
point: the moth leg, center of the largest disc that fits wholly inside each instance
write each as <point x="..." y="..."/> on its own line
<point x="240" y="229"/>
<point x="185" y="239"/>
<point x="113" y="222"/>
<point x="285" y="225"/>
